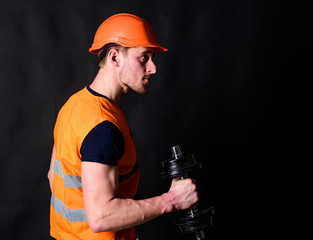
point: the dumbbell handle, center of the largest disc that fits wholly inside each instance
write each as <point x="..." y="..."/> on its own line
<point x="177" y="154"/>
<point x="191" y="211"/>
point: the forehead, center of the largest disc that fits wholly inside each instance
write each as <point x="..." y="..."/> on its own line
<point x="141" y="50"/>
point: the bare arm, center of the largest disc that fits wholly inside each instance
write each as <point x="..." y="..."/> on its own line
<point x="105" y="212"/>
<point x="50" y="172"/>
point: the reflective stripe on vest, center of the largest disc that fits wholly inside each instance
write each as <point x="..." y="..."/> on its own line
<point x="69" y="180"/>
<point x="72" y="181"/>
<point x="72" y="215"/>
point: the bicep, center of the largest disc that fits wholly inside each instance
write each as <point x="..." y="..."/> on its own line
<point x="101" y="149"/>
<point x="100" y="185"/>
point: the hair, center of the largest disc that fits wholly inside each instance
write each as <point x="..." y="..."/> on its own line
<point x="104" y="51"/>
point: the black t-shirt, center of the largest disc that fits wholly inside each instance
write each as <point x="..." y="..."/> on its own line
<point x="104" y="143"/>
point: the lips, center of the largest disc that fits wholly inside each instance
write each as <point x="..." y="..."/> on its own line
<point x="146" y="77"/>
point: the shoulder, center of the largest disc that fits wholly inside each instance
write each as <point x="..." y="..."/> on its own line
<point x="104" y="144"/>
<point x="105" y="130"/>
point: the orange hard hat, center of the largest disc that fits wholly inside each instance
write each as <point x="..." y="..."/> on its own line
<point x="127" y="30"/>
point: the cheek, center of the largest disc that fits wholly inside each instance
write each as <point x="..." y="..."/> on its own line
<point x="123" y="75"/>
<point x="136" y="72"/>
<point x="133" y="74"/>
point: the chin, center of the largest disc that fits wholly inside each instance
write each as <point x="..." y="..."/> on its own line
<point x="141" y="90"/>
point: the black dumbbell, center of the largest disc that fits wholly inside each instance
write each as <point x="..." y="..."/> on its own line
<point x="194" y="220"/>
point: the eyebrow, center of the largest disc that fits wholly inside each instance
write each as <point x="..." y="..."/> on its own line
<point x="149" y="52"/>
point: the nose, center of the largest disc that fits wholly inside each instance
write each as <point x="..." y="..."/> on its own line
<point x="151" y="68"/>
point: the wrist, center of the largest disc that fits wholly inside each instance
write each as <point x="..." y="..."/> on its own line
<point x="168" y="199"/>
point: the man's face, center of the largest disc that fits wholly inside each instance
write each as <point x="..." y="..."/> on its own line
<point x="136" y="69"/>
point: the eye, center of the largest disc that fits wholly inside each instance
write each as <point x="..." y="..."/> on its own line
<point x="144" y="58"/>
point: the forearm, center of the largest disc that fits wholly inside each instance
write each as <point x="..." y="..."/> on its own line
<point x="125" y="213"/>
<point x="106" y="212"/>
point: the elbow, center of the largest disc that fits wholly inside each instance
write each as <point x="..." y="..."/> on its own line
<point x="97" y="225"/>
<point x="93" y="222"/>
<point x="94" y="227"/>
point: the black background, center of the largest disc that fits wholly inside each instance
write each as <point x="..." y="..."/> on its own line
<point x="232" y="89"/>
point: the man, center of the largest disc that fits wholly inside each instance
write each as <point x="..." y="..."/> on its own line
<point x="93" y="173"/>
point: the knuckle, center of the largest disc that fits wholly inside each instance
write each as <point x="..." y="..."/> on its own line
<point x="188" y="181"/>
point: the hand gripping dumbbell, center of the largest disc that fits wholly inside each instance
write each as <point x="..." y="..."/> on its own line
<point x="193" y="220"/>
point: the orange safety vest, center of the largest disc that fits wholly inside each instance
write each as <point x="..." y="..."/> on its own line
<point x="82" y="112"/>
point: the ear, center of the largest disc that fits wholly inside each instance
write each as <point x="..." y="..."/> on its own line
<point x="114" y="57"/>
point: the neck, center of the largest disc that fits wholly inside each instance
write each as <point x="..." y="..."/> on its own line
<point x="107" y="85"/>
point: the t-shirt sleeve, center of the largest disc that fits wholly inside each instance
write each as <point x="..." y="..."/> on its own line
<point x="103" y="144"/>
